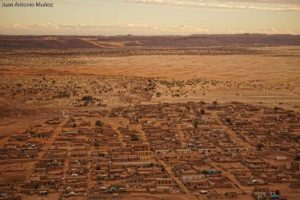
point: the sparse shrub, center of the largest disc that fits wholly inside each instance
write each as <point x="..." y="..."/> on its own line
<point x="96" y="144"/>
<point x="98" y="123"/>
<point x="36" y="185"/>
<point x="202" y="111"/>
<point x="228" y="121"/>
<point x="88" y="99"/>
<point x="196" y="123"/>
<point x="98" y="167"/>
<point x="63" y="94"/>
<point x="259" y="146"/>
<point x="134" y="137"/>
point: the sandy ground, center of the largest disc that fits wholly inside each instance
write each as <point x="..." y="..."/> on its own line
<point x="240" y="67"/>
<point x="230" y="67"/>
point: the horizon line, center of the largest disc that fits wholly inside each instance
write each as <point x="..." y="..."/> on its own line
<point x="153" y="35"/>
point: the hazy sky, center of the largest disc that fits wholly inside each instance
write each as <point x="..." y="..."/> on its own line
<point x="152" y="17"/>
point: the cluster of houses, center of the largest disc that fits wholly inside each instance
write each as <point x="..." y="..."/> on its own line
<point x="159" y="149"/>
<point x="274" y="129"/>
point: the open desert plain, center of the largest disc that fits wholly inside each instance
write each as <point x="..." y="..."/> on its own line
<point x="150" y="117"/>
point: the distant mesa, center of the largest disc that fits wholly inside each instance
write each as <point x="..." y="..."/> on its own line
<point x="74" y="42"/>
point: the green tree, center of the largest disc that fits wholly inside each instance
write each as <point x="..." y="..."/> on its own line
<point x="259" y="146"/>
<point x="134" y="137"/>
<point x="36" y="185"/>
<point x="196" y="123"/>
<point x="96" y="144"/>
<point x="98" y="123"/>
<point x="202" y="111"/>
<point x="88" y="99"/>
<point x="228" y="121"/>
